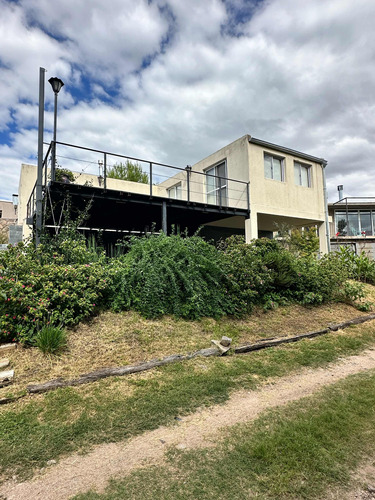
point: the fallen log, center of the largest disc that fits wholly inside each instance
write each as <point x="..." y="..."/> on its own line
<point x="272" y="343"/>
<point x="355" y="321"/>
<point x="214" y="351"/>
<point x="119" y="371"/>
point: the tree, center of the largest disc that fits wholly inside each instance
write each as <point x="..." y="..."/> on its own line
<point x="128" y="171"/>
<point x="63" y="174"/>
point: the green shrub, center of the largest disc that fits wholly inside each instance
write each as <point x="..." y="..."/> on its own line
<point x="50" y="339"/>
<point x="163" y="274"/>
<point x="360" y="267"/>
<point x="266" y="273"/>
<point x="33" y="293"/>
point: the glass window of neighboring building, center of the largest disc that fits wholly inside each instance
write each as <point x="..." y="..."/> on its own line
<point x="355" y="223"/>
<point x="365" y="220"/>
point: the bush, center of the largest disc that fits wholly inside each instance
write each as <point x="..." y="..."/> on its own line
<point x="171" y="275"/>
<point x="50" y="339"/>
<point x="34" y="294"/>
<point x="265" y="273"/>
<point x="359" y="267"/>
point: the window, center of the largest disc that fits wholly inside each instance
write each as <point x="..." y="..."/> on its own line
<point x="1" y="214"/>
<point x="216" y="184"/>
<point x="302" y="174"/>
<point x="175" y="192"/>
<point x="355" y="223"/>
<point x="273" y="167"/>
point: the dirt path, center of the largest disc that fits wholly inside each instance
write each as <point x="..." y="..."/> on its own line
<point x="77" y="473"/>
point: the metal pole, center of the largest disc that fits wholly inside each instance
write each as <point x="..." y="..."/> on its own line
<point x="105" y="171"/>
<point x="53" y="164"/>
<point x="326" y="206"/>
<point x="151" y="179"/>
<point x="39" y="180"/>
<point x="164" y="217"/>
<point x="248" y="195"/>
<point x="188" y="173"/>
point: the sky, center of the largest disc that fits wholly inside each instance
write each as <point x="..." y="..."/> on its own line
<point x="173" y="80"/>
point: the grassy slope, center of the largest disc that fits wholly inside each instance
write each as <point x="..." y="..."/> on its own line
<point x="48" y="426"/>
<point x="298" y="451"/>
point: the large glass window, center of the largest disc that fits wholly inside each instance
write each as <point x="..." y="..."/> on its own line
<point x="365" y="220"/>
<point x="302" y="174"/>
<point x="355" y="223"/>
<point x="216" y="185"/>
<point x="273" y="167"/>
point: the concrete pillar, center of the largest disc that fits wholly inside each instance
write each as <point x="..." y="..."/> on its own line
<point x="251" y="227"/>
<point x="322" y="233"/>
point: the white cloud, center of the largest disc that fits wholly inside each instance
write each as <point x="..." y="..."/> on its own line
<point x="173" y="81"/>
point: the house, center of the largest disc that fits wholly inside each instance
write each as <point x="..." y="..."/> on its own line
<point x="352" y="224"/>
<point x="9" y="231"/>
<point x="248" y="187"/>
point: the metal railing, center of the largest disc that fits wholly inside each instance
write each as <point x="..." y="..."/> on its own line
<point x="31" y="204"/>
<point x="163" y="180"/>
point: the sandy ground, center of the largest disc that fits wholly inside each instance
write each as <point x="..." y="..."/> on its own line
<point x="77" y="473"/>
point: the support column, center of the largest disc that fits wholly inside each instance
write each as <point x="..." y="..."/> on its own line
<point x="251" y="227"/>
<point x="164" y="224"/>
<point x="322" y="233"/>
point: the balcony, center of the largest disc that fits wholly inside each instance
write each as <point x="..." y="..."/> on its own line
<point x="169" y="196"/>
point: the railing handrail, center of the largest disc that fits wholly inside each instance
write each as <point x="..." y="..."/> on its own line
<point x="145" y="161"/>
<point x="344" y="200"/>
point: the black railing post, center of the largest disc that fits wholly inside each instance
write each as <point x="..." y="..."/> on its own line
<point x="219" y="181"/>
<point x="150" y="179"/>
<point x="188" y="173"/>
<point x="105" y="171"/>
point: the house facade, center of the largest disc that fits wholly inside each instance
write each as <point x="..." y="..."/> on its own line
<point x="286" y="187"/>
<point x="249" y="187"/>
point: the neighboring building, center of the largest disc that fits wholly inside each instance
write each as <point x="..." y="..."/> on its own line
<point x="248" y="187"/>
<point x="8" y="218"/>
<point x="352" y="223"/>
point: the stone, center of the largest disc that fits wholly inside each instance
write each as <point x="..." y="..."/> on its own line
<point x="6" y="377"/>
<point x="4" y="363"/>
<point x="225" y="341"/>
<point x="51" y="462"/>
<point x="221" y="348"/>
<point x="7" y="347"/>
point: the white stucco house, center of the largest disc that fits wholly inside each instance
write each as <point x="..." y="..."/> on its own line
<point x="249" y="186"/>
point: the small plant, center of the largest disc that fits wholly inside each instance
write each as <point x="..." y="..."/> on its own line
<point x="50" y="339"/>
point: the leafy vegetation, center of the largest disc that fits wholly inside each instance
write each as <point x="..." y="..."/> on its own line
<point x="162" y="274"/>
<point x="128" y="171"/>
<point x="50" y="339"/>
<point x="61" y="174"/>
<point x="359" y="267"/>
<point x="63" y="281"/>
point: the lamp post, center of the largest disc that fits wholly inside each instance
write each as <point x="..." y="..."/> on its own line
<point x="56" y="85"/>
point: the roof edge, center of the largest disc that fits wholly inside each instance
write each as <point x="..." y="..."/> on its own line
<point x="293" y="152"/>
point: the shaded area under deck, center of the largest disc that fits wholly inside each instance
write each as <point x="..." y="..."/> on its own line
<point x="117" y="213"/>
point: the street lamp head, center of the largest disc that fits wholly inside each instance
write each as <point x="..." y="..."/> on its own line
<point x="56" y="84"/>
